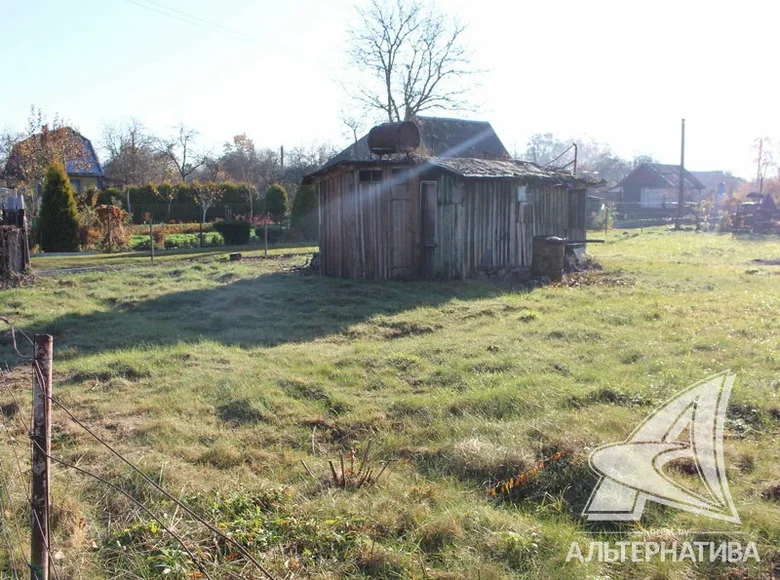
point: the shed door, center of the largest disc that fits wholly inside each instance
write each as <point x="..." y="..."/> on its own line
<point x="429" y="195"/>
<point x="400" y="226"/>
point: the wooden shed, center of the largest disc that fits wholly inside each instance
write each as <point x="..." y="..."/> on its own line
<point x="453" y="205"/>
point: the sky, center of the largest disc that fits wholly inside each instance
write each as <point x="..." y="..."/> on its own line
<point x="623" y="73"/>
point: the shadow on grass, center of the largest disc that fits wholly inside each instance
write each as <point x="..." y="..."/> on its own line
<point x="265" y="311"/>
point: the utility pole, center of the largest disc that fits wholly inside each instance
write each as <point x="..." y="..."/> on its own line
<point x="759" y="179"/>
<point x="681" y="191"/>
<point x="41" y="436"/>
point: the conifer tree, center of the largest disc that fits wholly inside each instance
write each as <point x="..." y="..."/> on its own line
<point x="59" y="221"/>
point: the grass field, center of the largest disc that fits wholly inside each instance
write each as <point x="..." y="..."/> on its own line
<point x="218" y="378"/>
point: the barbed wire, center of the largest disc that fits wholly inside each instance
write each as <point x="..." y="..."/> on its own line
<point x="45" y="538"/>
<point x="38" y="379"/>
<point x="129" y="496"/>
<point x="14" y="330"/>
<point x="7" y="484"/>
<point x="151" y="482"/>
<point x="6" y="524"/>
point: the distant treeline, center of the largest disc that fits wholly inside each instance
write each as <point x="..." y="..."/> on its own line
<point x="176" y="202"/>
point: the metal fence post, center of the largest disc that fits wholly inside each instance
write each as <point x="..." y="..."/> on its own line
<point x="41" y="436"/>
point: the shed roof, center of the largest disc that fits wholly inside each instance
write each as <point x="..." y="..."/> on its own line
<point x="439" y="137"/>
<point x="470" y="167"/>
<point x="667" y="175"/>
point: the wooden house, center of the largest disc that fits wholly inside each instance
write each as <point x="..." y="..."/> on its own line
<point x="83" y="166"/>
<point x="438" y="198"/>
<point x="656" y="185"/>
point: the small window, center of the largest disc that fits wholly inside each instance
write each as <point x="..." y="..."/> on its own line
<point x="522" y="194"/>
<point x="370" y="175"/>
<point x="76" y="183"/>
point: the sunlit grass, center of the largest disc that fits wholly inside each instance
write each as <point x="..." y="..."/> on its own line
<point x="219" y="377"/>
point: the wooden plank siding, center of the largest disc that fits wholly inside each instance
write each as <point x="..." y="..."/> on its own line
<point x="480" y="218"/>
<point x="373" y="229"/>
<point x="559" y="211"/>
<point x="369" y="230"/>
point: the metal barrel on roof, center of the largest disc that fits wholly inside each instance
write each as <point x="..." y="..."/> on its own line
<point x="394" y="138"/>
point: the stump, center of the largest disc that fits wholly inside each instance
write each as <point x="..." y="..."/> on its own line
<point x="13" y="254"/>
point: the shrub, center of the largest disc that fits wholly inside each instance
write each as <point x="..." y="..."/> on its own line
<point x="236" y="233"/>
<point x="305" y="217"/>
<point x="113" y="220"/>
<point x="59" y="216"/>
<point x="276" y="234"/>
<point x="275" y="202"/>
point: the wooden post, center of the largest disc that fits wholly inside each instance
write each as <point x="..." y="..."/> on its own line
<point x="265" y="231"/>
<point x="681" y="187"/>
<point x="151" y="239"/>
<point x="41" y="435"/>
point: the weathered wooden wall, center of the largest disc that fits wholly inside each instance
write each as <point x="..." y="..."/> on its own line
<point x="559" y="211"/>
<point x="369" y="230"/>
<point x="373" y="230"/>
<point x="480" y="220"/>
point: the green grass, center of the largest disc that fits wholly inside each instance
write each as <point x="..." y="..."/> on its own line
<point x="45" y="263"/>
<point x="218" y="378"/>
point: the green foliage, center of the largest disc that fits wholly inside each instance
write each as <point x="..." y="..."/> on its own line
<point x="236" y="233"/>
<point x="59" y="215"/>
<point x="275" y="202"/>
<point x="305" y="214"/>
<point x="276" y="233"/>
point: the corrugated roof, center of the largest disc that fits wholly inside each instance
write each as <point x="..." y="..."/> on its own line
<point x="439" y="137"/>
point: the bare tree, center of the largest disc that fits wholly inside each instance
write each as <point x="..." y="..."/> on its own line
<point x="181" y="151"/>
<point x="764" y="160"/>
<point x="353" y="124"/>
<point x="414" y="58"/>
<point x="205" y="195"/>
<point x="131" y="155"/>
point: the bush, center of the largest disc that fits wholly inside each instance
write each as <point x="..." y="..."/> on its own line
<point x="305" y="216"/>
<point x="236" y="233"/>
<point x="276" y="234"/>
<point x="59" y="215"/>
<point x="112" y="221"/>
<point x="275" y="202"/>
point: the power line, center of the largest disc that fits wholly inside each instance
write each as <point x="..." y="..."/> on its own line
<point x="194" y="21"/>
<point x="216" y="28"/>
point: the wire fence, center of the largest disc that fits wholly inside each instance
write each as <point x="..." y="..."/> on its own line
<point x="16" y="422"/>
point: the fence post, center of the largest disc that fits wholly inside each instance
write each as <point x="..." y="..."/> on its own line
<point x="41" y="435"/>
<point x="265" y="235"/>
<point x="151" y="239"/>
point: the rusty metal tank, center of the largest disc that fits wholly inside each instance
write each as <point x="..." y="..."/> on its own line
<point x="394" y="138"/>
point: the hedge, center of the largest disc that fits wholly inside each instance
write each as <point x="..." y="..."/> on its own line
<point x="236" y="233"/>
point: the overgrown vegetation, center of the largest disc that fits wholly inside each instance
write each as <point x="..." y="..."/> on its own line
<point x="219" y="377"/>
